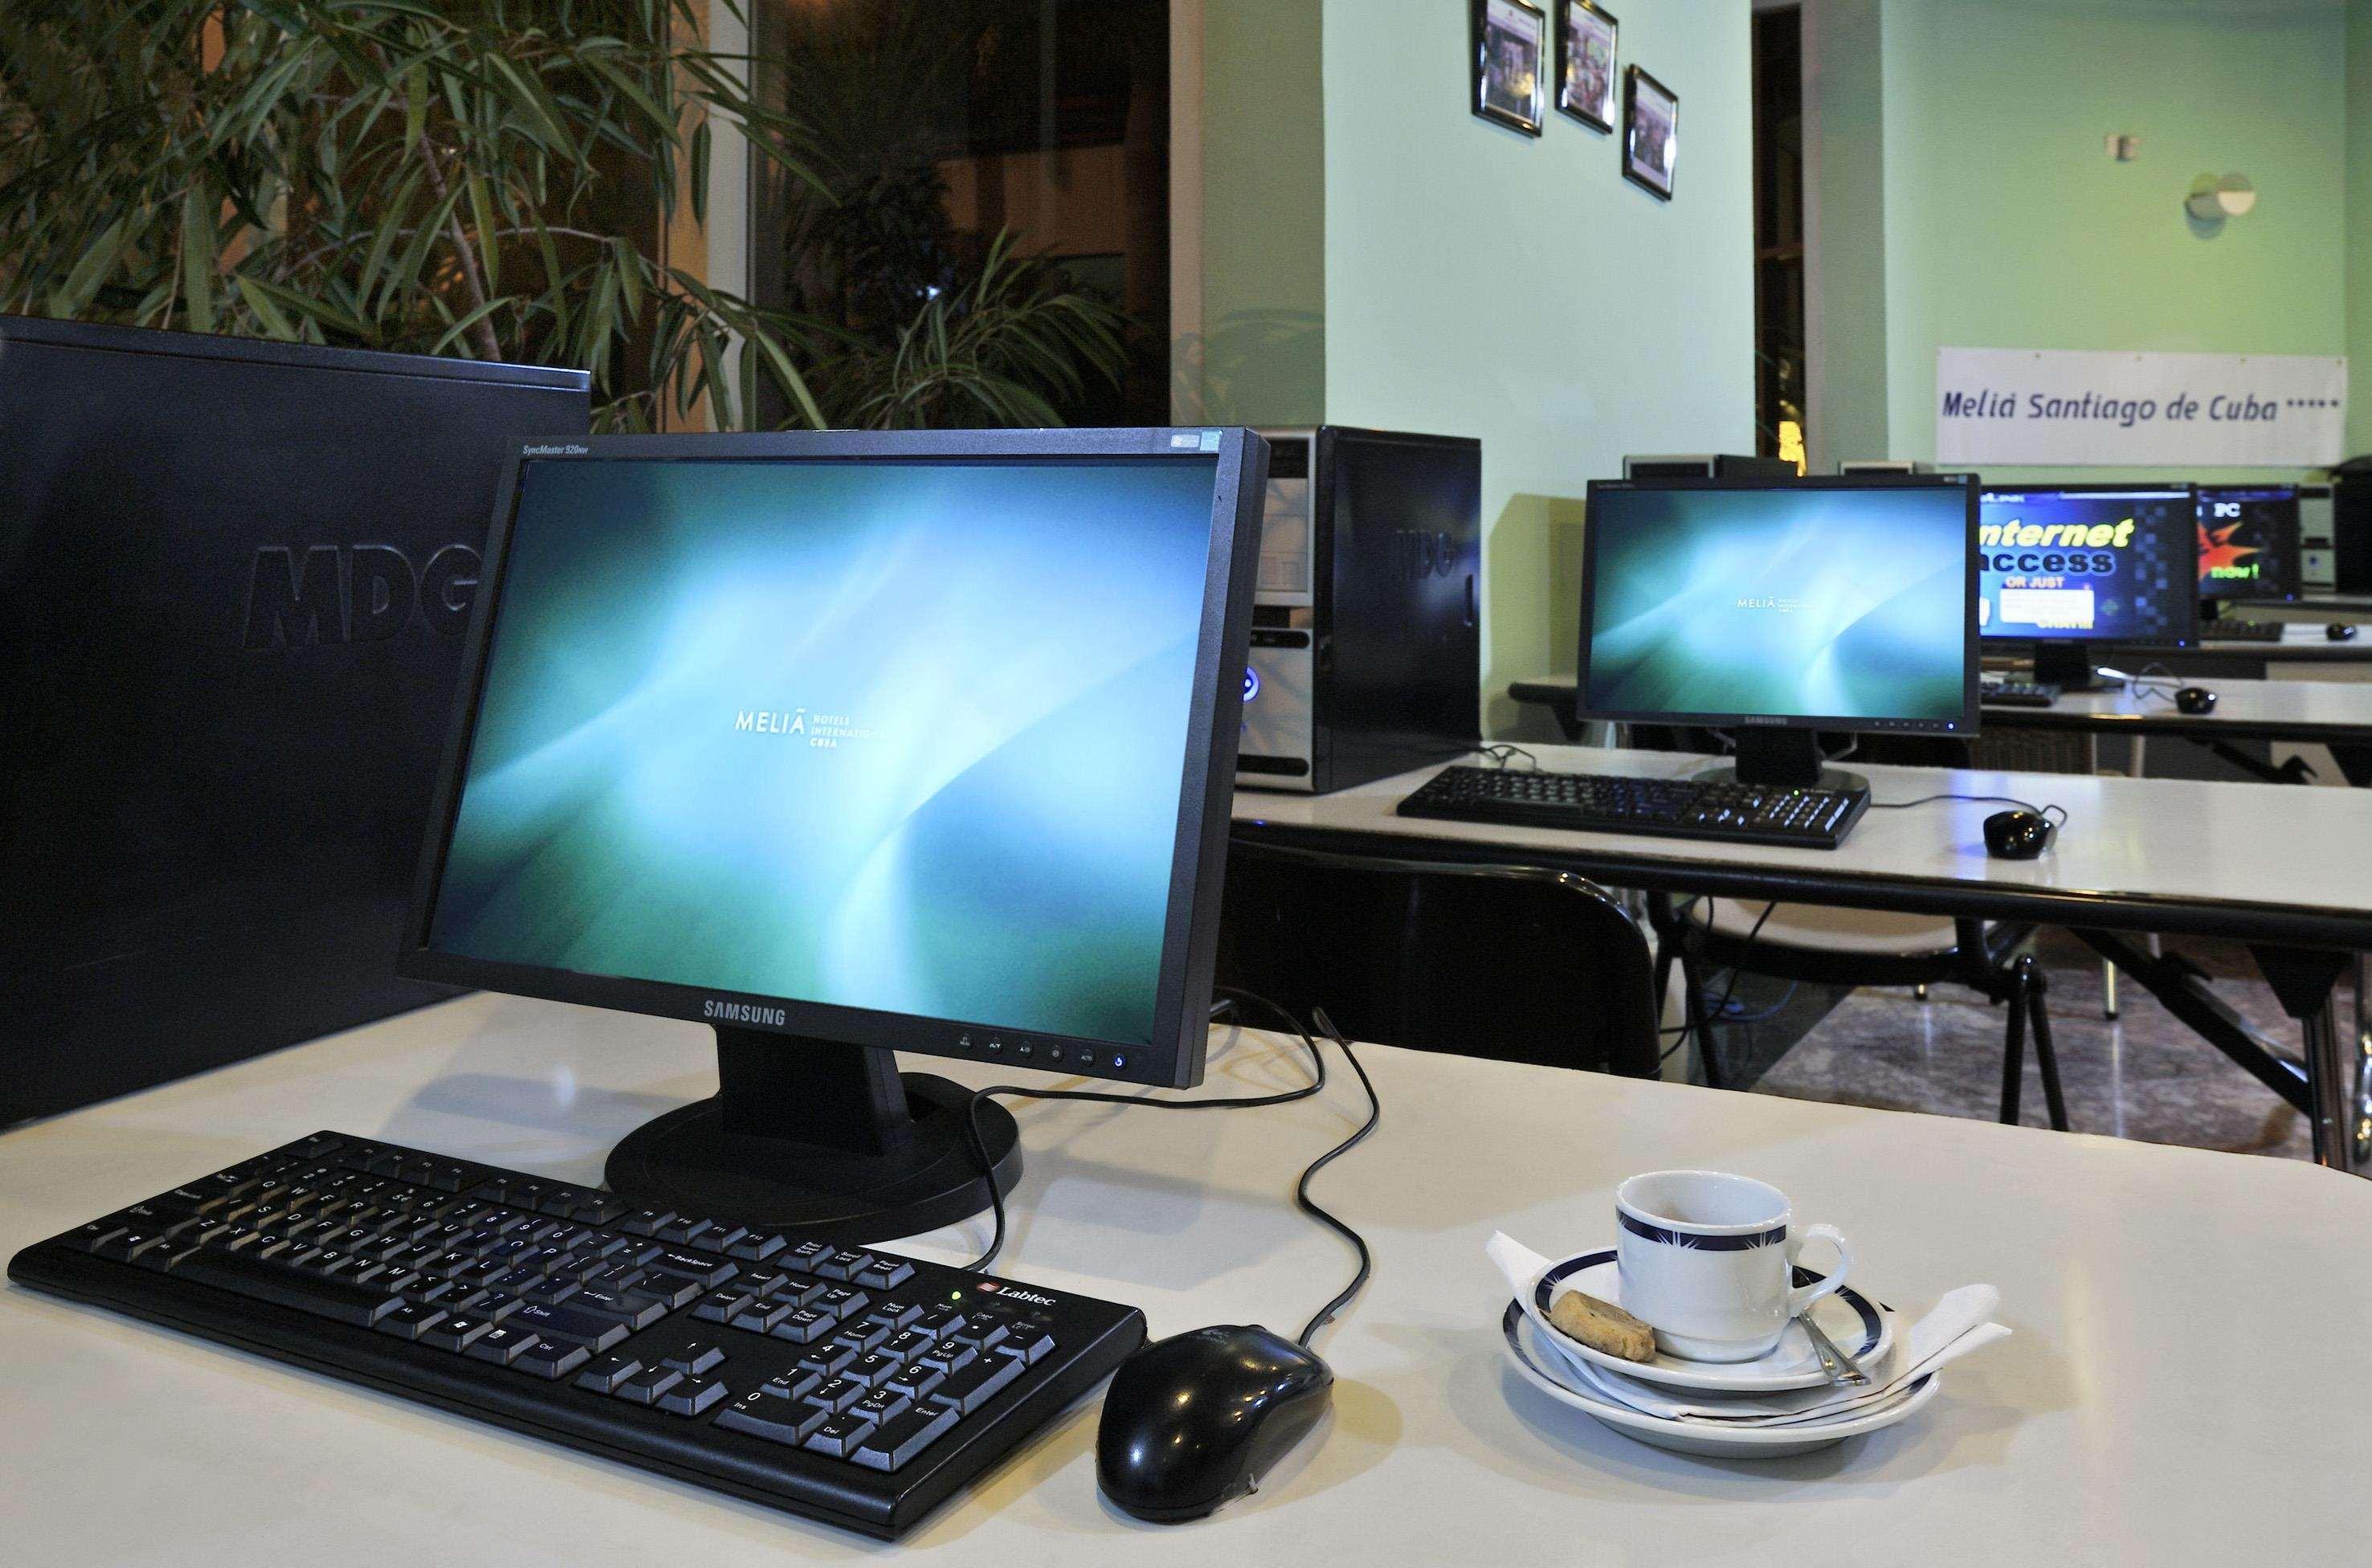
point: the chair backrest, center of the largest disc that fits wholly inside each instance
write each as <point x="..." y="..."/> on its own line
<point x="1510" y="962"/>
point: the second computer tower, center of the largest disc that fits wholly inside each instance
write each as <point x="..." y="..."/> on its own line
<point x="1366" y="655"/>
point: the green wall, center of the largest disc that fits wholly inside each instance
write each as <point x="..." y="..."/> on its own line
<point x="2003" y="223"/>
<point x="1845" y="212"/>
<point x="1479" y="282"/>
<point x="2359" y="226"/>
<point x="1260" y="357"/>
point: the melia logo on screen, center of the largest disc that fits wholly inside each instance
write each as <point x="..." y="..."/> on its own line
<point x="823" y="732"/>
<point x="1783" y="603"/>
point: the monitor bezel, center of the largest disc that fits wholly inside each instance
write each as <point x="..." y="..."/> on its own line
<point x="1964" y="725"/>
<point x="1174" y="1056"/>
<point x="2292" y="586"/>
<point x="2189" y="638"/>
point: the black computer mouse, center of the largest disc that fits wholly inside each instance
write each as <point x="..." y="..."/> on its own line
<point x="2339" y="630"/>
<point x="2195" y="700"/>
<point x="1194" y="1421"/>
<point x="2017" y="835"/>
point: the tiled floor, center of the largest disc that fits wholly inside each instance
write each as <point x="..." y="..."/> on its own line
<point x="2144" y="1075"/>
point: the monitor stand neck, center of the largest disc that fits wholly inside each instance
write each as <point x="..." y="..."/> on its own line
<point x="819" y="1140"/>
<point x="2067" y="666"/>
<point x="1782" y="758"/>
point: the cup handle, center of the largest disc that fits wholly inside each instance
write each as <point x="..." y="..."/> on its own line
<point x="1800" y="1299"/>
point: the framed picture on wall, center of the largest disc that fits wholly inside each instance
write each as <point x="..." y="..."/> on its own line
<point x="1651" y="132"/>
<point x="1510" y="46"/>
<point x="1586" y="63"/>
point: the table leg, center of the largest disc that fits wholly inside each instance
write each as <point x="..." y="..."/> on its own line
<point x="2307" y="982"/>
<point x="2355" y="764"/>
<point x="2183" y="992"/>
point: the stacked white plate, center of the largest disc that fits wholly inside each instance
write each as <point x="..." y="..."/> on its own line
<point x="1737" y="1410"/>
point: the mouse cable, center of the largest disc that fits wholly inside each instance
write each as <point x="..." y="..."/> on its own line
<point x="1980" y="799"/>
<point x="1236" y="997"/>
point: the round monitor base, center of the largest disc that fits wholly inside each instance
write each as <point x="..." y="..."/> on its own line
<point x="1829" y="778"/>
<point x="687" y="1161"/>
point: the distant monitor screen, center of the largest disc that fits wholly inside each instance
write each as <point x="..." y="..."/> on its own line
<point x="2248" y="541"/>
<point x="1845" y="603"/>
<point x="901" y="735"/>
<point x="2087" y="565"/>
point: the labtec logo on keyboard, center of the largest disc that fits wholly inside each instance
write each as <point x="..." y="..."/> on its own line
<point x="1014" y="1293"/>
<point x="363" y="593"/>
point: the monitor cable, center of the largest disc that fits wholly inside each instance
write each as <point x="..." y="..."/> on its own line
<point x="1235" y="999"/>
<point x="1978" y="799"/>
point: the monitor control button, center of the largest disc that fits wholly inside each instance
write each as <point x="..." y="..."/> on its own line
<point x="996" y="1048"/>
<point x="1025" y="1050"/>
<point x="1054" y="1054"/>
<point x="1118" y="1063"/>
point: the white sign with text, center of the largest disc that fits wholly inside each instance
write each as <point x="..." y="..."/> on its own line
<point x="2023" y="406"/>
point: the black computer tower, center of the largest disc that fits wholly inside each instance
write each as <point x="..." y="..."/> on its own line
<point x="1366" y="655"/>
<point x="2351" y="531"/>
<point x="234" y="578"/>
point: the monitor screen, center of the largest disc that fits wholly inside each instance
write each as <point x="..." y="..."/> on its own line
<point x="2082" y="565"/>
<point x="1840" y="604"/>
<point x="2249" y="541"/>
<point x="903" y="734"/>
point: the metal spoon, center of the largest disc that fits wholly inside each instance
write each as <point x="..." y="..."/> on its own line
<point x="1839" y="1366"/>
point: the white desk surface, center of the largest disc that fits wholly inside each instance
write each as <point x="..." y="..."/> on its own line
<point x="2225" y="854"/>
<point x="2187" y="1383"/>
<point x="2299" y="710"/>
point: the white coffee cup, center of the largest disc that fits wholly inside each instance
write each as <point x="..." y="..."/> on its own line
<point x="1707" y="1259"/>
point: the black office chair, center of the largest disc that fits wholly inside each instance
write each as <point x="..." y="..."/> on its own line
<point x="1832" y="946"/>
<point x="1510" y="962"/>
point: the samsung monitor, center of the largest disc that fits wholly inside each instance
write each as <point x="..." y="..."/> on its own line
<point x="850" y="744"/>
<point x="2249" y="543"/>
<point x="234" y="578"/>
<point x="2070" y="567"/>
<point x="1779" y="609"/>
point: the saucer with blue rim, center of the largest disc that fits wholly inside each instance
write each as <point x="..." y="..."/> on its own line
<point x="1859" y="1326"/>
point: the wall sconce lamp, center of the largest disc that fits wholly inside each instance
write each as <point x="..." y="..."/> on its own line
<point x="2213" y="200"/>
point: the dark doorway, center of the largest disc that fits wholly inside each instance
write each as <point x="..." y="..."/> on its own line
<point x="1779" y="233"/>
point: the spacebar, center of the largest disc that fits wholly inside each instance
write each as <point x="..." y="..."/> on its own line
<point x="264" y="1280"/>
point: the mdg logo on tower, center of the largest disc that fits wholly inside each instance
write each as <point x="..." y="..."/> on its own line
<point x="363" y="593"/>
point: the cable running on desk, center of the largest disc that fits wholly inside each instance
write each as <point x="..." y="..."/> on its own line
<point x="1236" y="998"/>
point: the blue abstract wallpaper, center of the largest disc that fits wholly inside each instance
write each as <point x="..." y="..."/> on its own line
<point x="1808" y="604"/>
<point x="899" y="736"/>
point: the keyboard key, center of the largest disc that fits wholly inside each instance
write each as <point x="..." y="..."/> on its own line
<point x="682" y="1228"/>
<point x="669" y="1290"/>
<point x="594" y="1330"/>
<point x="839" y="1436"/>
<point x="606" y="1372"/>
<point x="950" y="1355"/>
<point x="905" y="1346"/>
<point x="635" y="1311"/>
<point x="939" y="1322"/>
<point x="841" y="1302"/>
<point x="502" y="1344"/>
<point x="756" y="1246"/>
<point x="896" y="1313"/>
<point x="87" y="1237"/>
<point x="645" y="1386"/>
<point x="803" y="1256"/>
<point x="827" y="1358"/>
<point x="797" y="1291"/>
<point x="700" y="1356"/>
<point x="898" y="1439"/>
<point x="793" y="1385"/>
<point x="804" y="1326"/>
<point x="719" y="1237"/>
<point x="459" y="1330"/>
<point x="646" y="1221"/>
<point x="879" y="1405"/>
<point x="1032" y="1342"/>
<point x="410" y="1321"/>
<point x="759" y="1316"/>
<point x="885" y="1273"/>
<point x="265" y="1278"/>
<point x="776" y="1421"/>
<point x="843" y="1264"/>
<point x="872" y="1370"/>
<point x="720" y="1306"/>
<point x="697" y="1267"/>
<point x="975" y="1386"/>
<point x="692" y="1396"/>
<point x="551" y="1358"/>
<point x="865" y="1333"/>
<point x="917" y="1378"/>
<point x="835" y="1394"/>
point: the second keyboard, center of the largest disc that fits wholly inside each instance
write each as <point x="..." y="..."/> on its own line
<point x="1610" y="803"/>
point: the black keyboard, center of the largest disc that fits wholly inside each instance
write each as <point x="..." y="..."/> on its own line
<point x="2017" y="693"/>
<point x="848" y="1385"/>
<point x="2221" y="631"/>
<point x="1608" y="803"/>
